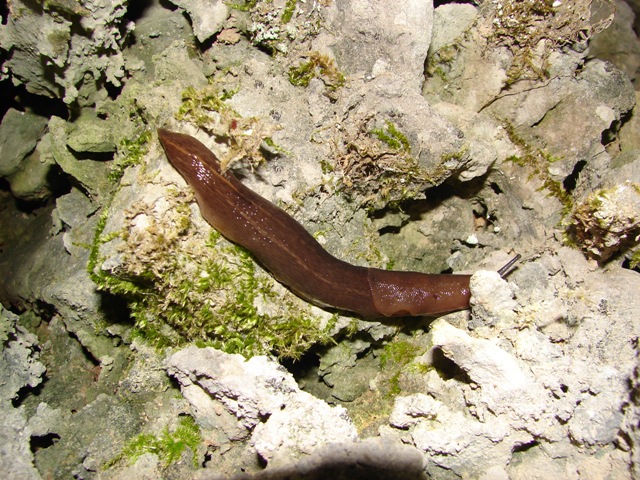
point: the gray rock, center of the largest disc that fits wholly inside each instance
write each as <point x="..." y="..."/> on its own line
<point x="207" y="17"/>
<point x="618" y="44"/>
<point x="391" y="37"/>
<point x="91" y="135"/>
<point x="628" y="134"/>
<point x="20" y="365"/>
<point x="94" y="176"/>
<point x="74" y="208"/>
<point x="450" y="21"/>
<point x="16" y="458"/>
<point x="19" y="134"/>
<point x="347" y="377"/>
<point x="374" y="459"/>
<point x="492" y="297"/>
<point x="31" y="181"/>
<point x="409" y="410"/>
<point x="286" y="423"/>
<point x="55" y="277"/>
<point x="20" y="368"/>
<point x="38" y="38"/>
<point x="542" y="382"/>
<point x="155" y="31"/>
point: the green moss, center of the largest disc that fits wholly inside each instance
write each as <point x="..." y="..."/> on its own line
<point x="392" y="137"/>
<point x="184" y="288"/>
<point x="275" y="147"/>
<point x="243" y="6"/>
<point x="326" y="166"/>
<point x="394" y="385"/>
<point x="439" y="62"/>
<point x="289" y="10"/>
<point x="199" y="104"/>
<point x="538" y="162"/>
<point x="301" y="75"/>
<point x="131" y="153"/>
<point x="318" y="65"/>
<point x="398" y="353"/>
<point x="168" y="446"/>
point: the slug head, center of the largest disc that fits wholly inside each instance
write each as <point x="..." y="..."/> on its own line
<point x="195" y="162"/>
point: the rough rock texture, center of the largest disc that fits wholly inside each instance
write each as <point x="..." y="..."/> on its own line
<point x="621" y="32"/>
<point x="401" y="136"/>
<point x="207" y="18"/>
<point x="513" y="396"/>
<point x="19" y="135"/>
<point x="67" y="50"/>
<point x="21" y="368"/>
<point x="22" y="161"/>
<point x="284" y="423"/>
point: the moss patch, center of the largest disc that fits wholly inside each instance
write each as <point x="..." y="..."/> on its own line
<point x="317" y="66"/>
<point x="242" y="137"/>
<point x="131" y="153"/>
<point x="535" y="28"/>
<point x="377" y="168"/>
<point x="539" y="161"/>
<point x="185" y="285"/>
<point x="168" y="446"/>
<point x="372" y="409"/>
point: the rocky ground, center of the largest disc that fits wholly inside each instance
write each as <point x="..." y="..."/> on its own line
<point x="139" y="343"/>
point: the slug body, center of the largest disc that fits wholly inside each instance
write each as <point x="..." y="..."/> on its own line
<point x="294" y="257"/>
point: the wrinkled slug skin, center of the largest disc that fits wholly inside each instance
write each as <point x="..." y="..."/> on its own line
<point x="294" y="257"/>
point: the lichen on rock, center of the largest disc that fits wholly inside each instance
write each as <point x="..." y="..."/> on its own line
<point x="607" y="221"/>
<point x="85" y="62"/>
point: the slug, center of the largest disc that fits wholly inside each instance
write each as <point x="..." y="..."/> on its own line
<point x="295" y="258"/>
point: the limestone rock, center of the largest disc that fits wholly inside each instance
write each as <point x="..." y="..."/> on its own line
<point x="207" y="17"/>
<point x="285" y="423"/>
<point x="19" y="134"/>
<point x="20" y="368"/>
<point x="41" y="36"/>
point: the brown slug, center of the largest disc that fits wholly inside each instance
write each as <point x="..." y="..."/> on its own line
<point x="295" y="258"/>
